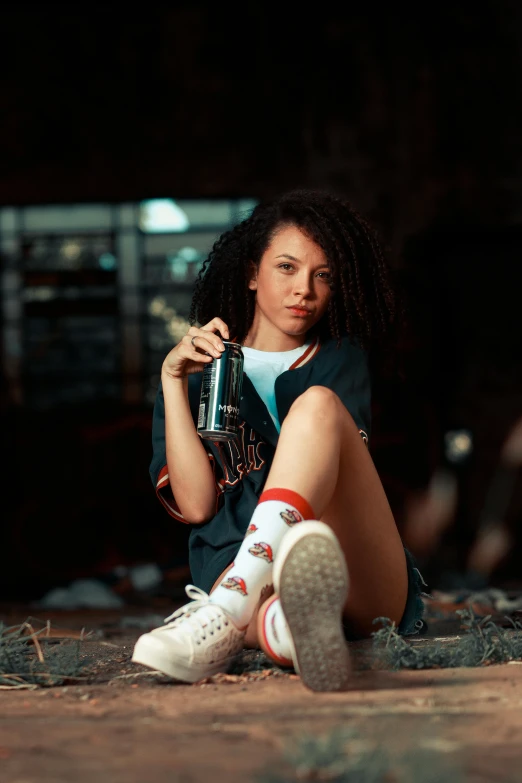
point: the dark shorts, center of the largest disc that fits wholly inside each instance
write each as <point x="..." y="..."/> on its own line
<point x="412" y="622"/>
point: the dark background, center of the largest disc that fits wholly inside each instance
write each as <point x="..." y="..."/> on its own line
<point x="414" y="114"/>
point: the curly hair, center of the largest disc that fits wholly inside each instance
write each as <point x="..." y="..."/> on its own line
<point x="365" y="304"/>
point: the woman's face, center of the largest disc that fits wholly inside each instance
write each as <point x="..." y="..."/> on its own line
<point x="292" y="285"/>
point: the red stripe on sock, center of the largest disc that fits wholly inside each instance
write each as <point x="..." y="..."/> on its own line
<point x="292" y="498"/>
<point x="271" y="652"/>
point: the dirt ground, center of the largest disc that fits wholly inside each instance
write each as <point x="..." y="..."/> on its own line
<point x="121" y="722"/>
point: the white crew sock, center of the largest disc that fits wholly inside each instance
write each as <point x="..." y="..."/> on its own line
<point x="276" y="633"/>
<point x="240" y="590"/>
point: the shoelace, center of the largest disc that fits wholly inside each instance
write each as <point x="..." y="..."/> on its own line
<point x="200" y="614"/>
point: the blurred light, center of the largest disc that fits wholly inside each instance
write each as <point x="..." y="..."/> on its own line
<point x="458" y="445"/>
<point x="41" y="294"/>
<point x="430" y="511"/>
<point x="177" y="328"/>
<point x="157" y="306"/>
<point x="178" y="267"/>
<point x="491" y="545"/>
<point x="189" y="254"/>
<point x="161" y="215"/>
<point x="71" y="250"/>
<point x="185" y="263"/>
<point x="107" y="262"/>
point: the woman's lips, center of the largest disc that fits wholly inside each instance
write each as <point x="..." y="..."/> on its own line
<point x="300" y="311"/>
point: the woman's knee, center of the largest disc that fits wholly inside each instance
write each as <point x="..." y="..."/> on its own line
<point x="320" y="401"/>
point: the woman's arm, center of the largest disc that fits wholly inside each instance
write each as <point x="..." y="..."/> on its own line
<point x="190" y="474"/>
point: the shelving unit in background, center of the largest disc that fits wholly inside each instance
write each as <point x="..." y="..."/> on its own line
<point x="94" y="295"/>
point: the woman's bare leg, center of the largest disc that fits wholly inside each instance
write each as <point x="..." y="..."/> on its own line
<point x="322" y="456"/>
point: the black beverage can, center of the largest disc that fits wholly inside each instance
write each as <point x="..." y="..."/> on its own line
<point x="220" y="395"/>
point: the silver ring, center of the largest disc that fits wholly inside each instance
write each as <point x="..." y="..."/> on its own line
<point x="192" y="341"/>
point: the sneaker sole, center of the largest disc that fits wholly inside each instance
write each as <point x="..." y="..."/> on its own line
<point x="313" y="587"/>
<point x="150" y="654"/>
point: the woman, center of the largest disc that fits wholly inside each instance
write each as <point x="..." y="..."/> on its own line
<point x="293" y="546"/>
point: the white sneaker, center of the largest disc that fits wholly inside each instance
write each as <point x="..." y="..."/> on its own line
<point x="199" y="640"/>
<point x="311" y="580"/>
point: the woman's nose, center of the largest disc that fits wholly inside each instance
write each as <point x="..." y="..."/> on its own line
<point x="302" y="285"/>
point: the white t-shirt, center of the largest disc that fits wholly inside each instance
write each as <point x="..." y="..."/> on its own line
<point x="263" y="367"/>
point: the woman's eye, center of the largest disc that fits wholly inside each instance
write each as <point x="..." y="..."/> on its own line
<point x="286" y="267"/>
<point x="325" y="275"/>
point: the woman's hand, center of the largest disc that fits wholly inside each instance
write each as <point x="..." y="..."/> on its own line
<point x="196" y="349"/>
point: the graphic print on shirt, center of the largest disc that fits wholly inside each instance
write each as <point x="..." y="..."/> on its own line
<point x="263" y="551"/>
<point x="291" y="516"/>
<point x="235" y="583"/>
<point x="250" y="529"/>
<point x="239" y="457"/>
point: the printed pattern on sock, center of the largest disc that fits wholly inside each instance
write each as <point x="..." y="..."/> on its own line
<point x="239" y="592"/>
<point x="235" y="583"/>
<point x="291" y="517"/>
<point x="262" y="550"/>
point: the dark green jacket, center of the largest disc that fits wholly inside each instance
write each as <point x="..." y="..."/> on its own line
<point x="241" y="466"/>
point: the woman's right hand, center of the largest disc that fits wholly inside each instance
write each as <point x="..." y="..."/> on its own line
<point x="196" y="349"/>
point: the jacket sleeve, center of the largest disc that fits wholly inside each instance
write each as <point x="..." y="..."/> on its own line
<point x="158" y="468"/>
